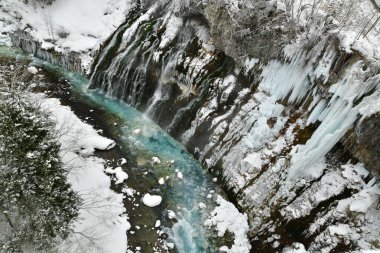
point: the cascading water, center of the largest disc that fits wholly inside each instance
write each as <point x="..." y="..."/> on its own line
<point x="153" y="69"/>
<point x="258" y="126"/>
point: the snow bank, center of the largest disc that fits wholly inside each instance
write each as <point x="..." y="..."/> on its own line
<point x="78" y="136"/>
<point x="76" y="25"/>
<point x="102" y="223"/>
<point x="226" y="217"/>
<point x="66" y="25"/>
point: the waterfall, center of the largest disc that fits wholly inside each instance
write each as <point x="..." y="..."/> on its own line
<point x="259" y="127"/>
<point x="159" y="67"/>
<point x="278" y="126"/>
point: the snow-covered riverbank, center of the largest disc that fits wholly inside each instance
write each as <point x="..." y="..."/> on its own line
<point x="65" y="26"/>
<point x="102" y="223"/>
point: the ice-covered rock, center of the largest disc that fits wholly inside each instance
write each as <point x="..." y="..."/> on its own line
<point x="33" y="70"/>
<point x="151" y="200"/>
<point x="120" y="175"/>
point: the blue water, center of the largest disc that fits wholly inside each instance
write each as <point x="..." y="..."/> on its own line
<point x="188" y="233"/>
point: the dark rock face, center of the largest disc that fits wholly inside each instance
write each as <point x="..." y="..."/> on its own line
<point x="367" y="143"/>
<point x="69" y="60"/>
<point x="257" y="30"/>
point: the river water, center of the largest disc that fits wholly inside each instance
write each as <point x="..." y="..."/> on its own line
<point x="182" y="195"/>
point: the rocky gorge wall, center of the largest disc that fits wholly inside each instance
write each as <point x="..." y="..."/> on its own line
<point x="290" y="129"/>
<point x="69" y="60"/>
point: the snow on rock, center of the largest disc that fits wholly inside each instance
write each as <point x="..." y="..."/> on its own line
<point x="226" y="217"/>
<point x="156" y="160"/>
<point x="224" y="249"/>
<point x="295" y="248"/>
<point x="172" y="25"/>
<point x="122" y="161"/>
<point x="161" y="181"/>
<point x="136" y="131"/>
<point x="132" y="30"/>
<point x="170" y="245"/>
<point x="119" y="174"/>
<point x="102" y="216"/>
<point x="157" y="224"/>
<point x="33" y="70"/>
<point x="129" y="191"/>
<point x="340" y="229"/>
<point x="171" y="215"/>
<point x="365" y="198"/>
<point x="201" y="205"/>
<point x="360" y="205"/>
<point x="179" y="175"/>
<point x="151" y="200"/>
<point x="97" y="142"/>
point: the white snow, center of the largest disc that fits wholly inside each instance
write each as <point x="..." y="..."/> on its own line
<point x="151" y="200"/>
<point x="224" y="249"/>
<point x="340" y="229"/>
<point x="226" y="217"/>
<point x="83" y="137"/>
<point x="201" y="205"/>
<point x="156" y="160"/>
<point x="170" y="245"/>
<point x="102" y="223"/>
<point x="179" y="175"/>
<point x="119" y="174"/>
<point x="365" y="198"/>
<point x="87" y="23"/>
<point x="161" y="181"/>
<point x="122" y="161"/>
<point x="94" y="142"/>
<point x="66" y="25"/>
<point x="137" y="131"/>
<point x="33" y="70"/>
<point x="172" y="215"/>
<point x="249" y="64"/>
<point x="172" y="25"/>
<point x="295" y="248"/>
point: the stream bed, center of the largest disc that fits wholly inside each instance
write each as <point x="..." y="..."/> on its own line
<point x="156" y="164"/>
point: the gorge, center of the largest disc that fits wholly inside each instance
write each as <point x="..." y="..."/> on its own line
<point x="284" y="114"/>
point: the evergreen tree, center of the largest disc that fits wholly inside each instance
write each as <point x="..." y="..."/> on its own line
<point x="36" y="202"/>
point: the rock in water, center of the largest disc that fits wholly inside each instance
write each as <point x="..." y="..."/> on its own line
<point x="151" y="200"/>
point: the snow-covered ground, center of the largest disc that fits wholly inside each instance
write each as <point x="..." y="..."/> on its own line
<point x="355" y="22"/>
<point x="66" y="25"/>
<point x="102" y="223"/>
<point x="225" y="218"/>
